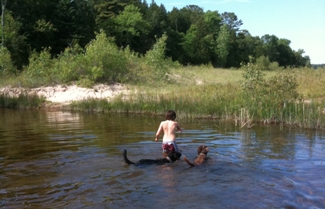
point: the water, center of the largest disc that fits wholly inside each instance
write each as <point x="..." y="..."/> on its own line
<point x="74" y="160"/>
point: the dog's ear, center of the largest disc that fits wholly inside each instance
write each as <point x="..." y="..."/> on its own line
<point x="199" y="149"/>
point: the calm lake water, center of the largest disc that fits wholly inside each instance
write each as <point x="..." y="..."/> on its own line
<point x="74" y="160"/>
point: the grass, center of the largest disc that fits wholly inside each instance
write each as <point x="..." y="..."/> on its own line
<point x="213" y="93"/>
<point x="23" y="101"/>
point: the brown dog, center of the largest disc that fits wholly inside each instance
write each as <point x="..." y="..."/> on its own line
<point x="202" y="152"/>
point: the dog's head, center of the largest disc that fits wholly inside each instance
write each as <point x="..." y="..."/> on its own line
<point x="173" y="156"/>
<point x="202" y="149"/>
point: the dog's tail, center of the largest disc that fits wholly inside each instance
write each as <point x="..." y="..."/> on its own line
<point x="126" y="158"/>
<point x="188" y="162"/>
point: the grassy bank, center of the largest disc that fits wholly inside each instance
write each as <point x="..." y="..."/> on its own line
<point x="23" y="101"/>
<point x="245" y="96"/>
<point x="196" y="92"/>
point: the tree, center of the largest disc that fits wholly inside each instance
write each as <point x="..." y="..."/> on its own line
<point x="3" y="8"/>
<point x="14" y="42"/>
<point x="285" y="53"/>
<point x="223" y="45"/>
<point x="177" y="21"/>
<point x="213" y="21"/>
<point x="130" y="23"/>
<point x="271" y="47"/>
<point x="231" y="20"/>
<point x="246" y="46"/>
<point x="156" y="16"/>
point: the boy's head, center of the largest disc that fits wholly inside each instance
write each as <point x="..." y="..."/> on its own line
<point x="170" y="115"/>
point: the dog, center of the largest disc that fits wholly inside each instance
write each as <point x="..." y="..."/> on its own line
<point x="172" y="157"/>
<point x="202" y="152"/>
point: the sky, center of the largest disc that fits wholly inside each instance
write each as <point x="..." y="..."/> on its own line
<point x="300" y="21"/>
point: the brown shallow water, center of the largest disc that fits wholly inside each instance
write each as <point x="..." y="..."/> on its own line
<point x="74" y="160"/>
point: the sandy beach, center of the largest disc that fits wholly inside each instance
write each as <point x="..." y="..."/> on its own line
<point x="64" y="94"/>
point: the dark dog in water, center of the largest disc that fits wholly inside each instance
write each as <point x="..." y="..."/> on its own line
<point x="172" y="157"/>
<point x="202" y="152"/>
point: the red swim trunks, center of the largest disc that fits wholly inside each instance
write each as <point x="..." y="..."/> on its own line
<point x="169" y="147"/>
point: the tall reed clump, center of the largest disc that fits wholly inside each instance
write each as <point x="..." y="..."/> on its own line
<point x="91" y="105"/>
<point x="267" y="99"/>
<point x="23" y="100"/>
<point x="307" y="115"/>
<point x="209" y="101"/>
<point x="276" y="100"/>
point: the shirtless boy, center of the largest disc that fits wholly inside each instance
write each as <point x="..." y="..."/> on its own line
<point x="169" y="128"/>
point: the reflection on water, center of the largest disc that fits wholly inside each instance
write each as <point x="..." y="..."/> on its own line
<point x="74" y="160"/>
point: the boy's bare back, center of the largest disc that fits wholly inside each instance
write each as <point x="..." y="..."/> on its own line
<point x="169" y="128"/>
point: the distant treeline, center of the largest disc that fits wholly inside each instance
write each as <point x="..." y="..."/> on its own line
<point x="195" y="36"/>
<point x="315" y="66"/>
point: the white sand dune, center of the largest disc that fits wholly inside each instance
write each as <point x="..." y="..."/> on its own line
<point x="66" y="94"/>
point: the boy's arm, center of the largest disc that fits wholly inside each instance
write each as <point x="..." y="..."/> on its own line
<point x="158" y="132"/>
<point x="179" y="128"/>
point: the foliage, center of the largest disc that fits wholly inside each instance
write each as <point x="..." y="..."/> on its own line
<point x="40" y="66"/>
<point x="100" y="61"/>
<point x="265" y="64"/>
<point x="130" y="24"/>
<point x="223" y="46"/>
<point x="104" y="61"/>
<point x="6" y="65"/>
<point x="14" y="42"/>
<point x="194" y="36"/>
<point x="155" y="59"/>
<point x="268" y="97"/>
<point x="22" y="101"/>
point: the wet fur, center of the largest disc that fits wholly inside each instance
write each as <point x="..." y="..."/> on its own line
<point x="202" y="152"/>
<point x="173" y="156"/>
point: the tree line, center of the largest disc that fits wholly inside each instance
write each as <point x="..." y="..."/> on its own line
<point x="195" y="36"/>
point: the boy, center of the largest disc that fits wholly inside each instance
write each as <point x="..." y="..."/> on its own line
<point x="169" y="127"/>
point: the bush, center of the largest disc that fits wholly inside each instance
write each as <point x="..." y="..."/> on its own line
<point x="268" y="98"/>
<point x="265" y="64"/>
<point x="6" y="65"/>
<point x="41" y="67"/>
<point x="68" y="65"/>
<point x="103" y="60"/>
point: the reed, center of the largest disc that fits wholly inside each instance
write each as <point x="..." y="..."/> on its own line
<point x="23" y="101"/>
<point x="90" y="105"/>
<point x="207" y="92"/>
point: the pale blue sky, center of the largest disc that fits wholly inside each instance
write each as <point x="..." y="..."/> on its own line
<point x="300" y="21"/>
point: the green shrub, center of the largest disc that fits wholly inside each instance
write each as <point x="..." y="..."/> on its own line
<point x="267" y="98"/>
<point x="156" y="66"/>
<point x="6" y="65"/>
<point x="41" y="66"/>
<point x="68" y="64"/>
<point x="103" y="60"/>
<point x="264" y="63"/>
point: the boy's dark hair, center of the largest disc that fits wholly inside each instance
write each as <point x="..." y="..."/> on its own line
<point x="170" y="115"/>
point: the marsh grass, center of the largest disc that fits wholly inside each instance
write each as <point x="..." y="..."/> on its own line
<point x="21" y="102"/>
<point x="311" y="82"/>
<point x="91" y="105"/>
<point x="195" y="92"/>
<point x="206" y="92"/>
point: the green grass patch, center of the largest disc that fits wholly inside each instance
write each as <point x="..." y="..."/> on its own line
<point x="23" y="101"/>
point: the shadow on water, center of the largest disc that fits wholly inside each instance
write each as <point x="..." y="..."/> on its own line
<point x="74" y="160"/>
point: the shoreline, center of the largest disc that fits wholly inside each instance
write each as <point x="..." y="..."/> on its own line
<point x="60" y="96"/>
